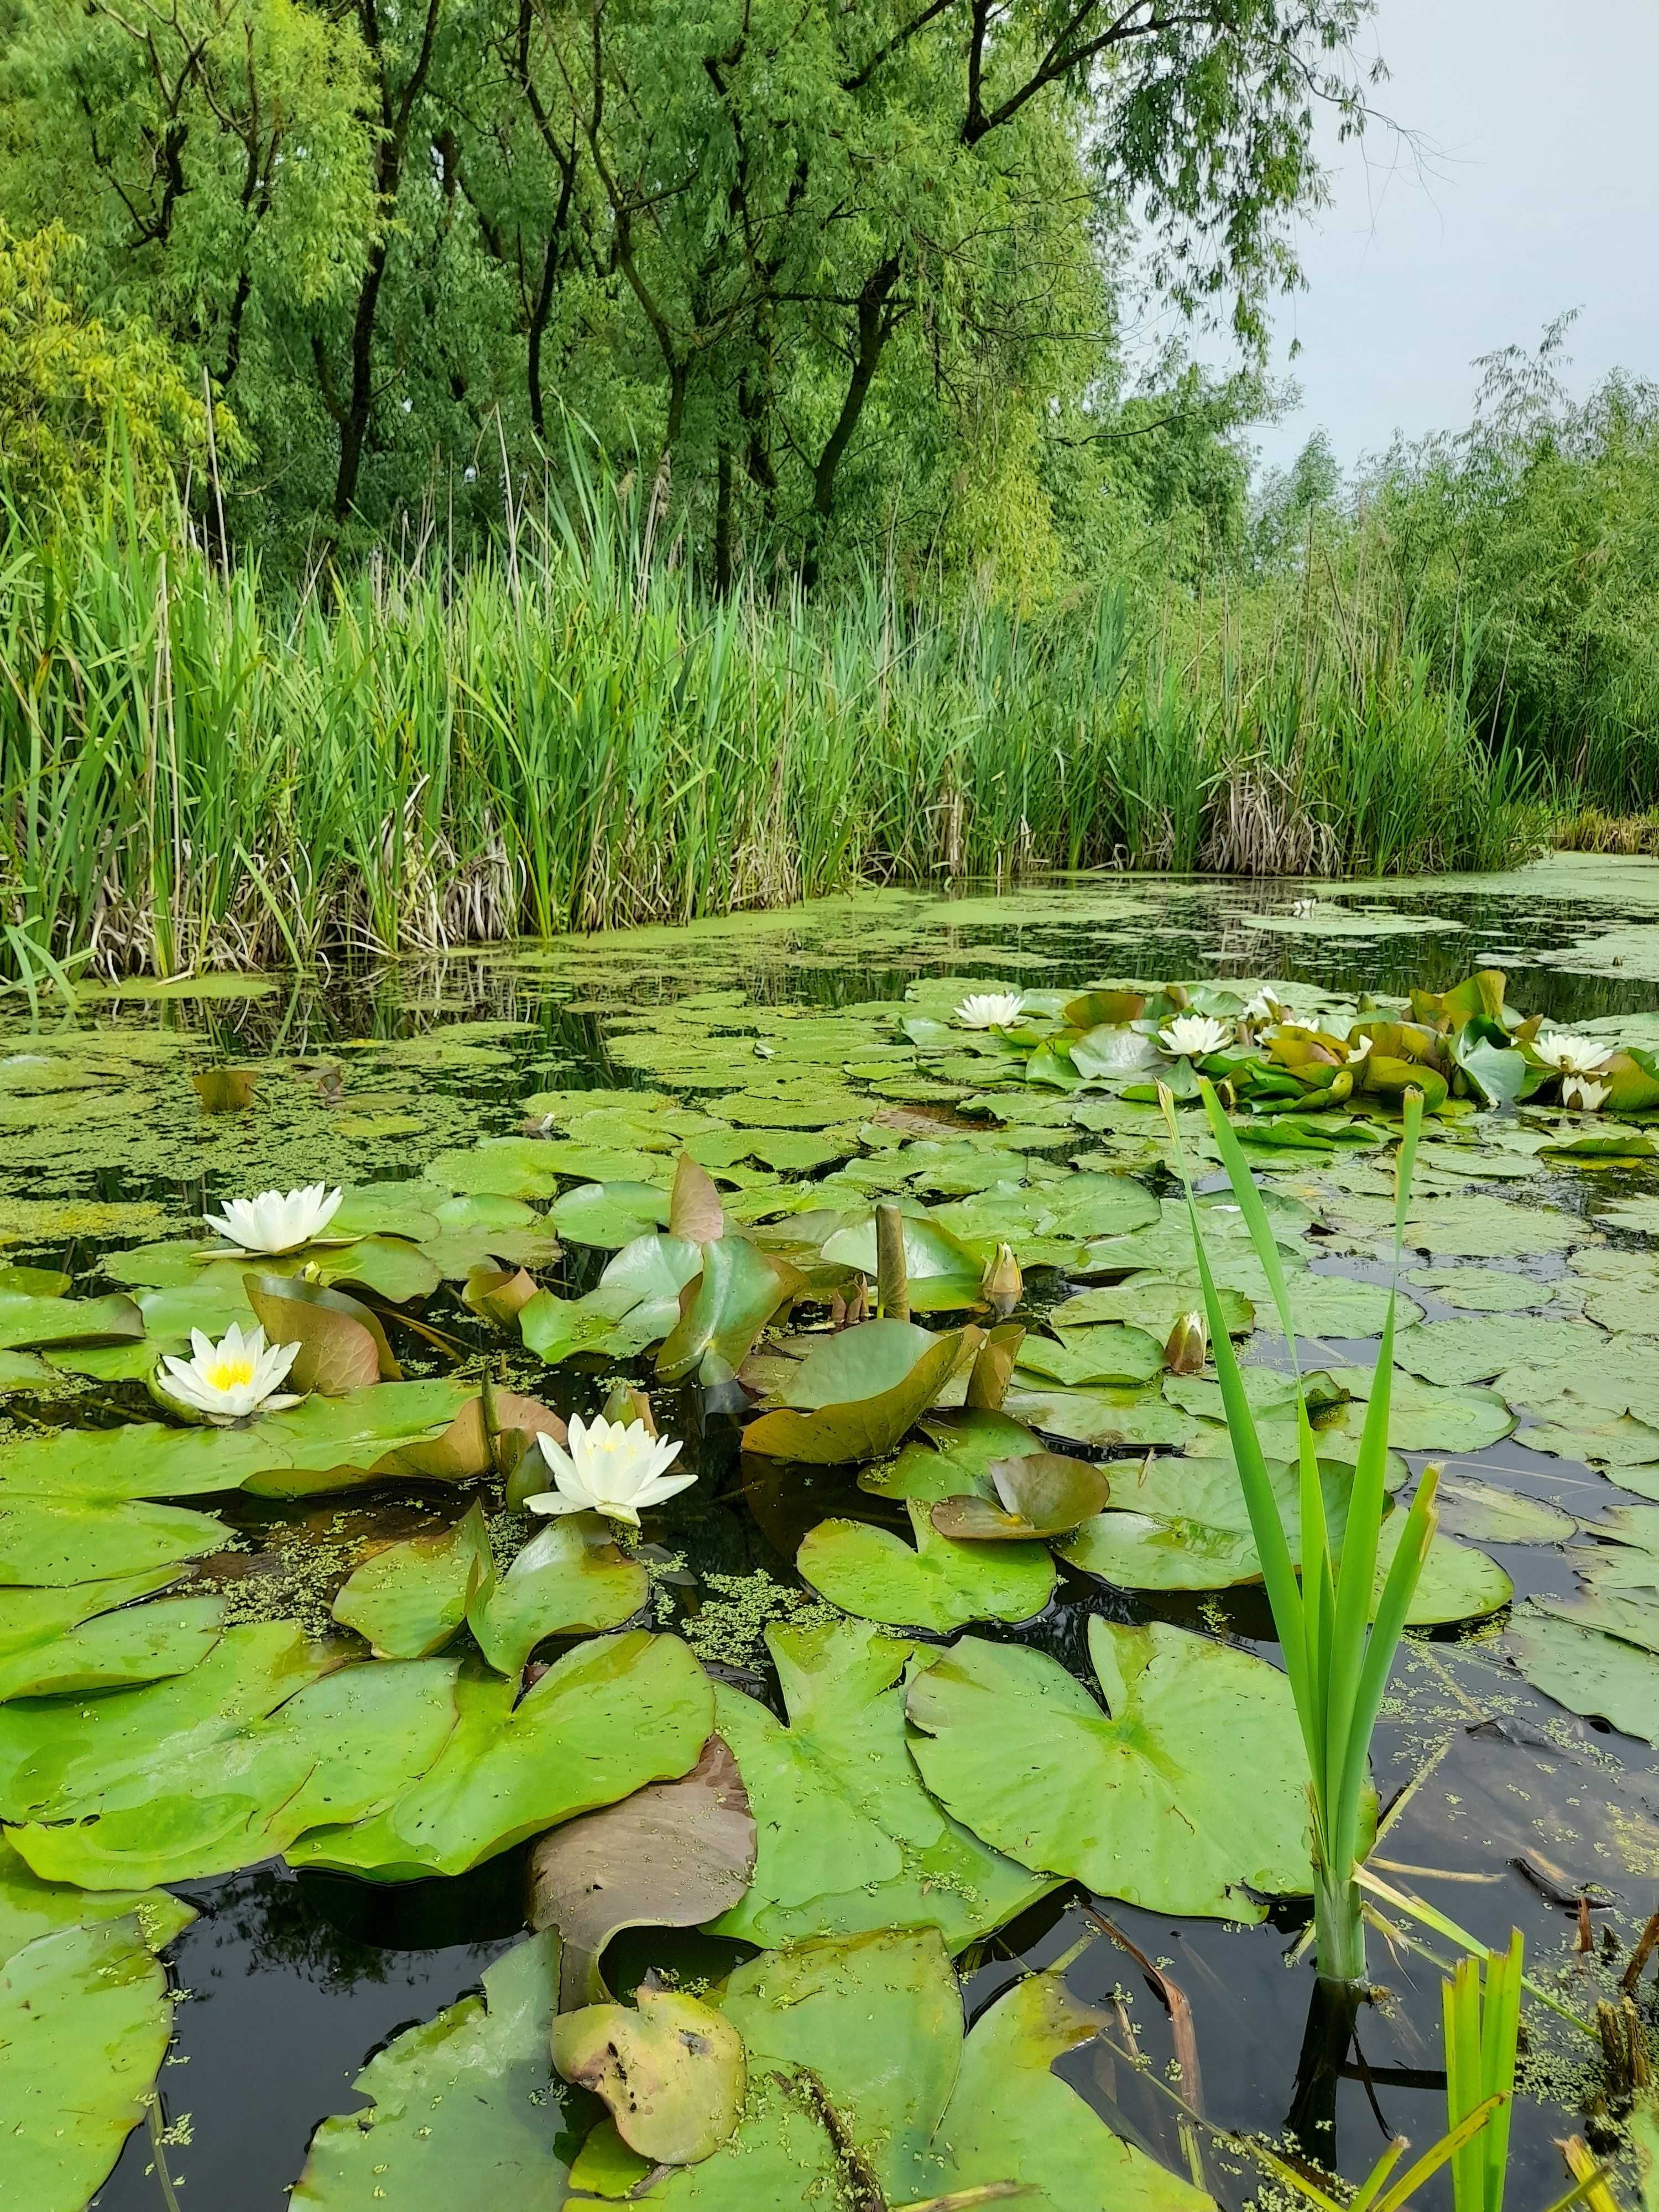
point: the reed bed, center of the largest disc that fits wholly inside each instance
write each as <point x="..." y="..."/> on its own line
<point x="199" y="767"/>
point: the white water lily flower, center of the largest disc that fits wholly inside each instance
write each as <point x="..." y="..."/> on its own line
<point x="990" y="1010"/>
<point x="1579" y="1090"/>
<point x="274" y="1221"/>
<point x="227" y="1381"/>
<point x="1190" y="1036"/>
<point x="1573" y="1056"/>
<point x="610" y="1468"/>
<point x="1357" y="1048"/>
<point x="1264" y="1007"/>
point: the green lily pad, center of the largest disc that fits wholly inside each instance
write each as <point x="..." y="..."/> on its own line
<point x="1183" y="1524"/>
<point x="227" y="1790"/>
<point x="30" y="1907"/>
<point x="144" y="1643"/>
<point x="1110" y="1353"/>
<point x="862" y="1389"/>
<point x="944" y="1274"/>
<point x="501" y="1167"/>
<point x="324" y="1443"/>
<point x="410" y="1599"/>
<point x="1153" y="1303"/>
<point x="33" y="1617"/>
<point x="1068" y="1213"/>
<point x="1185" y="1795"/>
<point x="848" y="1838"/>
<point x="85" y="2022"/>
<point x="1103" y="1418"/>
<point x="1038" y="1494"/>
<point x="1582" y="1667"/>
<point x="611" y="1215"/>
<point x="389" y="1209"/>
<point x="385" y="1265"/>
<point x="29" y="1324"/>
<point x="55" y="1540"/>
<point x="740" y="1289"/>
<point x="1483" y="1290"/>
<point x="1586" y="1431"/>
<point x="939" y="1585"/>
<point x="1422" y="1416"/>
<point x="1482" y="1228"/>
<point x="1620" y="1289"/>
<point x="570" y="1579"/>
<point x="955" y="1460"/>
<point x="1488" y="1515"/>
<point x="464" y="2109"/>
<point x="816" y="1107"/>
<point x="855" y="2052"/>
<point x="609" y="1716"/>
<point x="1474" y="1351"/>
<point x="21" y="1371"/>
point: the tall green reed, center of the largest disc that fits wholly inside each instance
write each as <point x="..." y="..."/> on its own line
<point x="1339" y="1635"/>
<point x="199" y="765"/>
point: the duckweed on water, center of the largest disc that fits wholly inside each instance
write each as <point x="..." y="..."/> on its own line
<point x="703" y="1213"/>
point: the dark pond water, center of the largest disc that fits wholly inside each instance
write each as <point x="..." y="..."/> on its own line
<point x="294" y="1980"/>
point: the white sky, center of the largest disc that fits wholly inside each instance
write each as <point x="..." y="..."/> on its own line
<point x="1540" y="191"/>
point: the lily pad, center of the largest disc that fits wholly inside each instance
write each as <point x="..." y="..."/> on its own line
<point x="570" y="1579"/>
<point x="1103" y="1418"/>
<point x="855" y="2053"/>
<point x="1489" y="1515"/>
<point x="857" y="1393"/>
<point x="1481" y="1228"/>
<point x="1483" y="1290"/>
<point x="956" y="1458"/>
<point x="85" y="2022"/>
<point x="1474" y="1351"/>
<point x="611" y="1215"/>
<point x="410" y="1599"/>
<point x="944" y="1272"/>
<point x="1152" y="1302"/>
<point x="1110" y="1353"/>
<point x="738" y="1292"/>
<point x="1582" y="1667"/>
<point x="57" y="1540"/>
<point x="1038" y="1494"/>
<point x="1425" y="1417"/>
<point x="609" y="1716"/>
<point x="464" y="2109"/>
<point x="325" y="1443"/>
<point x="141" y="1643"/>
<point x="671" y="2073"/>
<point x="847" y="1838"/>
<point x="1183" y="1524"/>
<point x="1186" y="1796"/>
<point x="30" y="1324"/>
<point x="939" y="1585"/>
<point x="234" y="1787"/>
<point x="673" y="1855"/>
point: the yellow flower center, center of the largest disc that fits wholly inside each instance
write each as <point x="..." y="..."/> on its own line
<point x="229" y="1374"/>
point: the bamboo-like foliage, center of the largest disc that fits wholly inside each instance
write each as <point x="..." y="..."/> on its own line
<point x="1339" y="1650"/>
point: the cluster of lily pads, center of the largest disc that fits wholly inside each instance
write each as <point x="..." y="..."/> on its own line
<point x="1456" y="1045"/>
<point x="934" y="1243"/>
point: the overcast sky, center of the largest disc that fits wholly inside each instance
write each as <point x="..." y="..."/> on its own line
<point x="1540" y="191"/>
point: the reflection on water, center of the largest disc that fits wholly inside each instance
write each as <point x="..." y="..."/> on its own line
<point x="288" y="1984"/>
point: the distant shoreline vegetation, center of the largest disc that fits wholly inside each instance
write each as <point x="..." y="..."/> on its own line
<point x="202" y="768"/>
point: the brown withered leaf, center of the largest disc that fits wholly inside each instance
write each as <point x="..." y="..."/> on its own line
<point x="342" y="1344"/>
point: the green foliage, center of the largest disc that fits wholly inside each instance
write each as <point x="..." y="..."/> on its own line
<point x="73" y="388"/>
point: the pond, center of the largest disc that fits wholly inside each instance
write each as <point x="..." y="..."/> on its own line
<point x="282" y="1740"/>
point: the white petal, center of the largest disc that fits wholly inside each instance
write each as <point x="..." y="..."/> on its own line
<point x="555" y="1501"/>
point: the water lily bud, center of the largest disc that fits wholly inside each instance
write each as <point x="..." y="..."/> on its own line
<point x="1188" y="1344"/>
<point x="625" y="1404"/>
<point x="1002" y="1282"/>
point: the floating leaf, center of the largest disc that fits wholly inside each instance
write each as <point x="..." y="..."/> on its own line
<point x="144" y="1643"/>
<point x="1183" y="1524"/>
<point x="465" y="2109"/>
<point x="1187" y="1798"/>
<point x="1474" y="1350"/>
<point x="609" y="1716"/>
<point x="739" y="1290"/>
<point x="28" y="1322"/>
<point x="671" y="2072"/>
<point x="1578" y="1663"/>
<point x="570" y="1579"/>
<point x="1481" y="1228"/>
<point x="956" y="1457"/>
<point x="342" y="1344"/>
<point x="942" y="1273"/>
<point x="1038" y="1494"/>
<point x="409" y="1598"/>
<point x="325" y="1443"/>
<point x="694" y="1210"/>
<point x="231" y="1787"/>
<point x="1483" y="1290"/>
<point x="1422" y="1416"/>
<point x="856" y="2060"/>
<point x="1153" y="1303"/>
<point x="1488" y="1515"/>
<point x="857" y="1392"/>
<point x="848" y="1838"/>
<point x="939" y="1585"/>
<point x="55" y="1540"/>
<point x="1103" y="1418"/>
<point x="85" y="2022"/>
<point x="611" y="1215"/>
<point x="670" y="1855"/>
